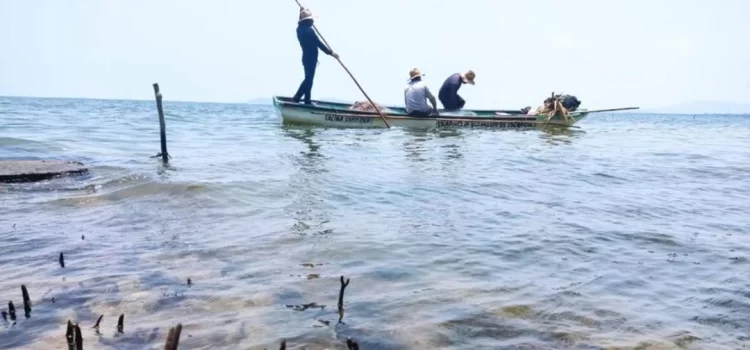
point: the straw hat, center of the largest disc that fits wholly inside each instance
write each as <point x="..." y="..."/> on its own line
<point x="414" y="73"/>
<point x="305" y="14"/>
<point x="468" y="77"/>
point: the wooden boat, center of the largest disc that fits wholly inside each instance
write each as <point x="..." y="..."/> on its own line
<point x="336" y="114"/>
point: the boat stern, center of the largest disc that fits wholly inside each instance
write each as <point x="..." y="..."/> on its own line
<point x="573" y="117"/>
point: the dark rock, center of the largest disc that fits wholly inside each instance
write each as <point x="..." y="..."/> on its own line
<point x="38" y="170"/>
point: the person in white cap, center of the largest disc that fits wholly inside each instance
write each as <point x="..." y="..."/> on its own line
<point x="310" y="43"/>
<point x="416" y="95"/>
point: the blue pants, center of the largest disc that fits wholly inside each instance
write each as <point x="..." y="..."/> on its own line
<point x="305" y="89"/>
<point x="448" y="105"/>
<point x="419" y="114"/>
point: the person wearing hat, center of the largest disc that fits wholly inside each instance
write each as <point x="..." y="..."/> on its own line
<point x="448" y="93"/>
<point x="310" y="43"/>
<point x="416" y="95"/>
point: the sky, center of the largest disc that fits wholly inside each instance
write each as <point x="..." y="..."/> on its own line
<point x="611" y="53"/>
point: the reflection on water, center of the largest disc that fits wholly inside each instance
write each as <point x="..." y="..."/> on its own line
<point x="632" y="235"/>
<point x="306" y="136"/>
<point x="306" y="207"/>
<point x="555" y="135"/>
<point x="415" y="146"/>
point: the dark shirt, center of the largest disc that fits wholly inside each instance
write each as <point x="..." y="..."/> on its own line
<point x="448" y="93"/>
<point x="310" y="43"/>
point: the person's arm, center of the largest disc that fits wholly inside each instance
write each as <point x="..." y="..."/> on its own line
<point x="322" y="46"/>
<point x="432" y="99"/>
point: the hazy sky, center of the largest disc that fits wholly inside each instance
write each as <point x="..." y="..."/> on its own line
<point x="607" y="52"/>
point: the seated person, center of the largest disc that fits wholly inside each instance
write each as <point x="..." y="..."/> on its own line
<point x="416" y="95"/>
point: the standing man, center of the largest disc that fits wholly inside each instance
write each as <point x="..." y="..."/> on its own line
<point x="448" y="93"/>
<point x="310" y="44"/>
<point x="416" y="95"/>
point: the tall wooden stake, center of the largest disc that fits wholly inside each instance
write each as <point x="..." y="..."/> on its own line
<point x="162" y="126"/>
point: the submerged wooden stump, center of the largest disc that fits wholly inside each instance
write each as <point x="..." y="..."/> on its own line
<point x="38" y="170"/>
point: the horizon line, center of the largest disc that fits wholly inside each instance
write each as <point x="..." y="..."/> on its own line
<point x="643" y="110"/>
<point x="113" y="99"/>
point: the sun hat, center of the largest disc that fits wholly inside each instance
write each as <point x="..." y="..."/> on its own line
<point x="414" y="73"/>
<point x="468" y="77"/>
<point x="305" y="14"/>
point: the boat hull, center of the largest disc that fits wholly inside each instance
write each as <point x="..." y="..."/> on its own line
<point x="329" y="114"/>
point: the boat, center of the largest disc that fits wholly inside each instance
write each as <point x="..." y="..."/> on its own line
<point x="338" y="114"/>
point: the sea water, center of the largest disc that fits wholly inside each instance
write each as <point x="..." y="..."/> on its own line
<point x="628" y="233"/>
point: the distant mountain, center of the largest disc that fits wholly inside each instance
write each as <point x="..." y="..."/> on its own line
<point x="702" y="107"/>
<point x="261" y="101"/>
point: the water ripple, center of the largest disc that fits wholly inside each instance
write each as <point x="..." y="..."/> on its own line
<point x="631" y="233"/>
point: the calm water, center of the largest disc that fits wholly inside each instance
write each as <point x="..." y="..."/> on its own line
<point x="629" y="233"/>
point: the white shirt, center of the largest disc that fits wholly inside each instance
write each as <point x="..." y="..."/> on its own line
<point x="415" y="97"/>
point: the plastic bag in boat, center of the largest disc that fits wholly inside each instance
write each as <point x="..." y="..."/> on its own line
<point x="457" y="113"/>
<point x="570" y="102"/>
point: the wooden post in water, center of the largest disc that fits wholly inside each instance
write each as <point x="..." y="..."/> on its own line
<point x="96" y="326"/>
<point x="341" y="297"/>
<point x="173" y="338"/>
<point x="351" y="344"/>
<point x="26" y="301"/>
<point x="78" y="338"/>
<point x="162" y="126"/>
<point x="12" y="311"/>
<point x="70" y="336"/>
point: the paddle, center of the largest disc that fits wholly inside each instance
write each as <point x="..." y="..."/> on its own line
<point x="347" y="71"/>
<point x="610" y="110"/>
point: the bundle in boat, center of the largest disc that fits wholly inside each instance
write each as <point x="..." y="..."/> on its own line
<point x="366" y="106"/>
<point x="570" y="102"/>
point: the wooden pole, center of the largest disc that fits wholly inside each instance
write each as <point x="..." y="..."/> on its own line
<point x="162" y="126"/>
<point x="348" y="72"/>
<point x="611" y="110"/>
